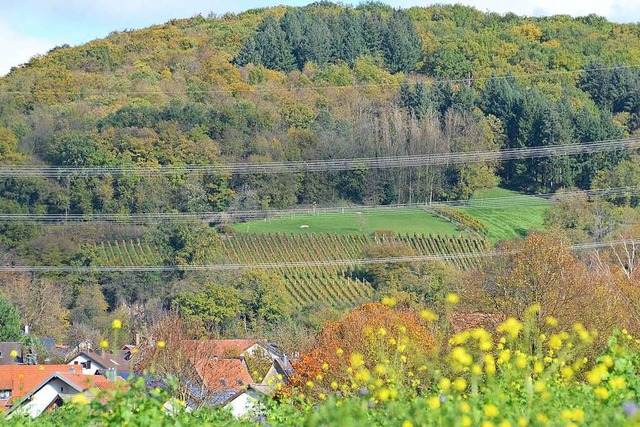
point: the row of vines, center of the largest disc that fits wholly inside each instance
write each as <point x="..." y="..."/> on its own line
<point x="280" y="247"/>
<point x="310" y="283"/>
<point x="127" y="253"/>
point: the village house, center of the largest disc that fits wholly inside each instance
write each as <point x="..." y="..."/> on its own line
<point x="104" y="363"/>
<point x="54" y="390"/>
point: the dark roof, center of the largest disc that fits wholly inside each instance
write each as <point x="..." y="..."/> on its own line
<point x="6" y="348"/>
<point x="115" y="361"/>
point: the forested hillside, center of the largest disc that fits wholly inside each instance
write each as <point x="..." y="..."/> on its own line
<point x="320" y="82"/>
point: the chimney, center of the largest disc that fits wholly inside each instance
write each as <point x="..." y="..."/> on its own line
<point x="111" y="374"/>
<point x="26" y="329"/>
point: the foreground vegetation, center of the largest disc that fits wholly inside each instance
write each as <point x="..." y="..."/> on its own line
<point x="398" y="367"/>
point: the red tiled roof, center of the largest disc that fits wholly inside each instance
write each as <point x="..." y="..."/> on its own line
<point x="223" y="374"/>
<point x="89" y="381"/>
<point x="199" y="349"/>
<point x="21" y="379"/>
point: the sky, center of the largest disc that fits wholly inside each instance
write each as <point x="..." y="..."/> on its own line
<point x="32" y="27"/>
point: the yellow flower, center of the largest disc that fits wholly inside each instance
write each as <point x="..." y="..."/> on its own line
<point x="601" y="392"/>
<point x="566" y="372"/>
<point x="309" y="384"/>
<point x="523" y="422"/>
<point x="485" y="345"/>
<point x="383" y="394"/>
<point x="444" y="384"/>
<point x="13" y="354"/>
<point x="504" y="423"/>
<point x="465" y="408"/>
<point x="363" y="375"/>
<point x="433" y="402"/>
<point x="104" y="344"/>
<point x="161" y="344"/>
<point x="487" y="423"/>
<point x="322" y="396"/>
<point x="334" y="385"/>
<point x="542" y="418"/>
<point x="339" y="352"/>
<point x="476" y="370"/>
<point x="490" y="411"/>
<point x="116" y="324"/>
<point x="597" y="374"/>
<point x="453" y="298"/>
<point x="555" y="342"/>
<point x="325" y="366"/>
<point x="428" y="315"/>
<point x="538" y="367"/>
<point x="460" y="355"/>
<point x="539" y="386"/>
<point x="80" y="399"/>
<point x="460" y="384"/>
<point x="489" y="364"/>
<point x="407" y="423"/>
<point x="389" y="302"/>
<point x="382" y="332"/>
<point x="608" y="361"/>
<point x="617" y="383"/>
<point x="504" y="356"/>
<point x="466" y="421"/>
<point x="521" y="361"/>
<point x="551" y="321"/>
<point x="511" y="326"/>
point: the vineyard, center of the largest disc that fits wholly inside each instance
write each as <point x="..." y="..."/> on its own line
<point x="308" y="284"/>
<point x="127" y="252"/>
<point x="273" y="248"/>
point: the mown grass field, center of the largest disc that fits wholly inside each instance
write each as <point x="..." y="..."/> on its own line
<point x="513" y="217"/>
<point x="506" y="219"/>
<point x="399" y="220"/>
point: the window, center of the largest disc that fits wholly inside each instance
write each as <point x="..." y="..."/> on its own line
<point x="5" y="394"/>
<point x="61" y="389"/>
<point x="0" y="355"/>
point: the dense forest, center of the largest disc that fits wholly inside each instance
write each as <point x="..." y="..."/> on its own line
<point x="324" y="81"/>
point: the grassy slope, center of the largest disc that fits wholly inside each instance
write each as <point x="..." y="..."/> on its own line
<point x="400" y="221"/>
<point x="513" y="219"/>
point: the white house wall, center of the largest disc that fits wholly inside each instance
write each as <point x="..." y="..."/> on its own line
<point x="41" y="400"/>
<point x="82" y="359"/>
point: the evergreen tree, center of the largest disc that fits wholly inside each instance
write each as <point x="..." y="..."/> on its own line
<point x="248" y="54"/>
<point x="318" y="42"/>
<point x="352" y="43"/>
<point x="10" y="328"/>
<point x="272" y="46"/>
<point x="293" y="23"/>
<point x="401" y="43"/>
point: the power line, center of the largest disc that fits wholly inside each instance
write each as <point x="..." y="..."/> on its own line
<point x="490" y="202"/>
<point x="294" y="264"/>
<point x="416" y="160"/>
<point x="260" y="88"/>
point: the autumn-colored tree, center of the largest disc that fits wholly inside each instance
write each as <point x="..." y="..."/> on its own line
<point x="542" y="270"/>
<point x="374" y="332"/>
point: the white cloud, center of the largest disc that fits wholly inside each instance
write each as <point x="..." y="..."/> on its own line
<point x="17" y="49"/>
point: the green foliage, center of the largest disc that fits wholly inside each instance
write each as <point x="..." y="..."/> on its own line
<point x="313" y="35"/>
<point x="214" y="306"/>
<point x="10" y="327"/>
